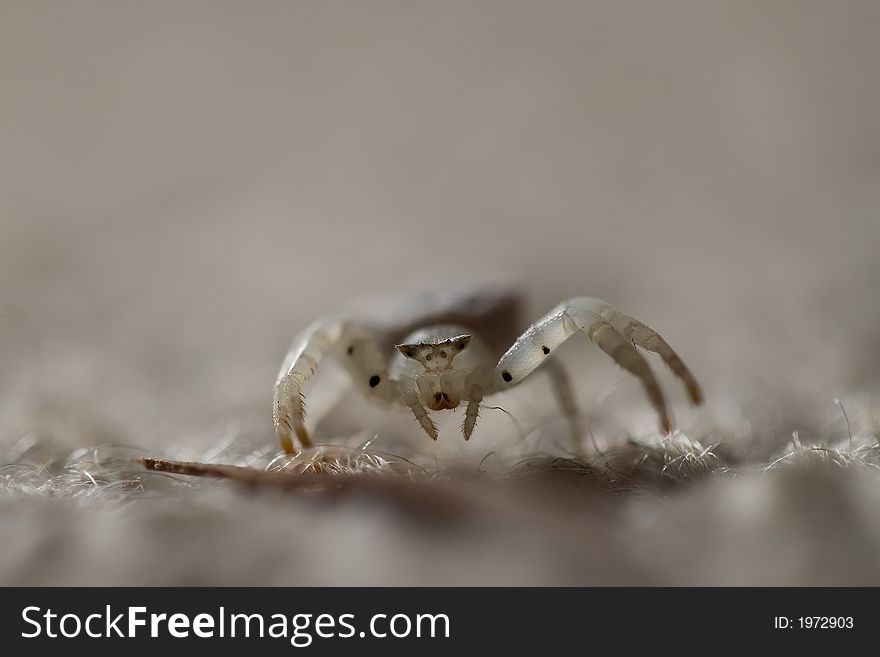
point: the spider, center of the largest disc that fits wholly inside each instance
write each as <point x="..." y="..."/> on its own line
<point x="437" y="351"/>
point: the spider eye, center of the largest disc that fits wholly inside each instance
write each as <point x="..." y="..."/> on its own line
<point x="443" y="354"/>
<point x="429" y="357"/>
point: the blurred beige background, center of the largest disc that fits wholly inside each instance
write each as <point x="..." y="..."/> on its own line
<point x="184" y="185"/>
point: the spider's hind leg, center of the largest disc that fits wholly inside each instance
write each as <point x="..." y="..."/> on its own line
<point x="563" y="390"/>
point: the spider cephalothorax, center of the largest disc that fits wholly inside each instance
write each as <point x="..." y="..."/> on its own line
<point x="434" y="352"/>
<point x="441" y="366"/>
<point x="428" y="363"/>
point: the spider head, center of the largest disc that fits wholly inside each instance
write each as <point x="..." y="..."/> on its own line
<point x="435" y="355"/>
<point x="439" y="383"/>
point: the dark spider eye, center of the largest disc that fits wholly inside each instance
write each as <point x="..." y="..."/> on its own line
<point x="429" y="357"/>
<point x="442" y="354"/>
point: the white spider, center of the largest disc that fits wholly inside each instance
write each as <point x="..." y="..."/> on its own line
<point x="442" y="355"/>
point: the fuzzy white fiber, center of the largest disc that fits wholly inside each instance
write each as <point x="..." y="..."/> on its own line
<point x="650" y="511"/>
<point x="183" y="188"/>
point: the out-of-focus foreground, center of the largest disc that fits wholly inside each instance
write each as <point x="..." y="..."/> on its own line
<point x="184" y="187"/>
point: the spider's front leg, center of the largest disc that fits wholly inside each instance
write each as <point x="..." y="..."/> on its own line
<point x="597" y="319"/>
<point x="353" y="345"/>
<point x="647" y="338"/>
